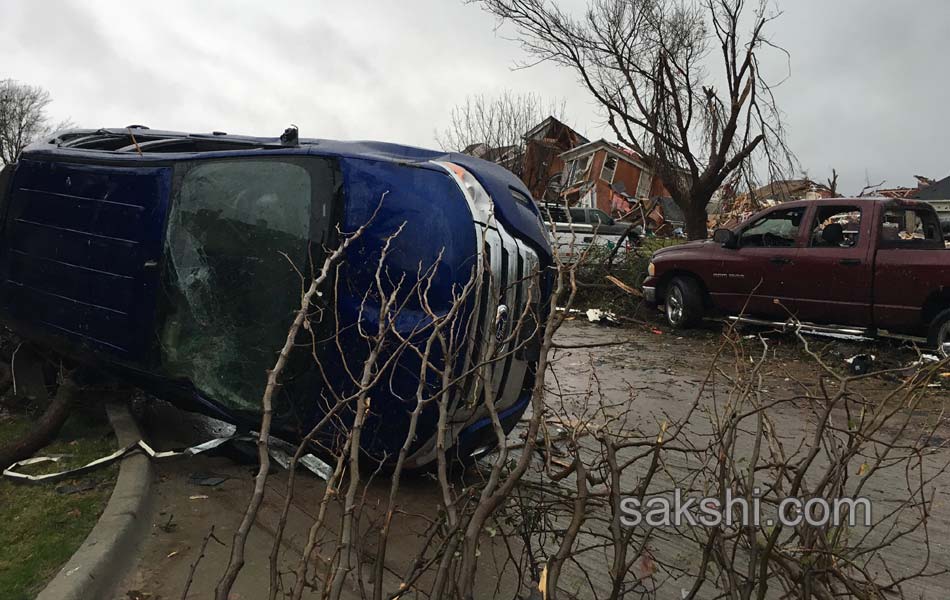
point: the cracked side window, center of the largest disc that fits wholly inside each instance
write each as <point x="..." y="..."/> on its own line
<point x="234" y="229"/>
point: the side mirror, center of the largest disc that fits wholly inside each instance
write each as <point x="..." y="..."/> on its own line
<point x="726" y="238"/>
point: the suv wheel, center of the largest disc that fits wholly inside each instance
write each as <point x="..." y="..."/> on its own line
<point x="939" y="336"/>
<point x="684" y="303"/>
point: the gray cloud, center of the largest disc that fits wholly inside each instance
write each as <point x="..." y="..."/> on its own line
<point x="866" y="93"/>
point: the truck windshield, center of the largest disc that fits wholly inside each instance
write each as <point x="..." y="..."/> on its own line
<point x="238" y="232"/>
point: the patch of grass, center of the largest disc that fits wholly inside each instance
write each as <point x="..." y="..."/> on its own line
<point x="41" y="528"/>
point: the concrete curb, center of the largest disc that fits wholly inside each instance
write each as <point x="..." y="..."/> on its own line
<point x="109" y="550"/>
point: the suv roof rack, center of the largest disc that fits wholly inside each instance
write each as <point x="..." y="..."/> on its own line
<point x="141" y="139"/>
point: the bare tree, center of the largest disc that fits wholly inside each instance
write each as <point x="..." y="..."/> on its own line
<point x="649" y="64"/>
<point x="494" y="128"/>
<point x="833" y="184"/>
<point x="22" y="117"/>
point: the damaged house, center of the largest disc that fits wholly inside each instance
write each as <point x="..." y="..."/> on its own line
<point x="613" y="179"/>
<point x="937" y="194"/>
<point x="561" y="166"/>
<point x="729" y="208"/>
<point x="543" y="161"/>
<point x="536" y="160"/>
<point x="932" y="191"/>
<point x="902" y="192"/>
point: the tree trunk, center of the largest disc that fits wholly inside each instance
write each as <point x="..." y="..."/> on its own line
<point x="45" y="429"/>
<point x="695" y="215"/>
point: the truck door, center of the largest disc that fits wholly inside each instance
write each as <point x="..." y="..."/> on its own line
<point x="905" y="266"/>
<point x="831" y="279"/>
<point x="752" y="279"/>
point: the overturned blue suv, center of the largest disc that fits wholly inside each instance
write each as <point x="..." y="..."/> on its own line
<point x="176" y="261"/>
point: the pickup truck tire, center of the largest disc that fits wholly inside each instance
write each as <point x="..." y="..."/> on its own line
<point x="939" y="335"/>
<point x="684" y="303"/>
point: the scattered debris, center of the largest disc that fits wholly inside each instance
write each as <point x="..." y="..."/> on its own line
<point x="644" y="567"/>
<point x="198" y="497"/>
<point x="632" y="291"/>
<point x="207" y="479"/>
<point x="280" y="451"/>
<point x="732" y="208"/>
<point x="169" y="527"/>
<point x="595" y="315"/>
<point x="861" y="363"/>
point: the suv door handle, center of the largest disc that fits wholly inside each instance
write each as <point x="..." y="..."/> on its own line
<point x="850" y="262"/>
<point x="779" y="260"/>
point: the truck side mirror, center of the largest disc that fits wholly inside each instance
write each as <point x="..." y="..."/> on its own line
<point x="726" y="238"/>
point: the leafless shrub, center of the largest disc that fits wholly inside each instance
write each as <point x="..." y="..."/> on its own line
<point x="546" y="512"/>
<point x="735" y="439"/>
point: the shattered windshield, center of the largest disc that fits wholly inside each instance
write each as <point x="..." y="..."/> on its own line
<point x="234" y="229"/>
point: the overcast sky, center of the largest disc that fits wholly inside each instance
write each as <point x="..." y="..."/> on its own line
<point x="868" y="92"/>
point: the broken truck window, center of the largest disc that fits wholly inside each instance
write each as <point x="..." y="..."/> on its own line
<point x="910" y="229"/>
<point x="234" y="228"/>
<point x="836" y="227"/>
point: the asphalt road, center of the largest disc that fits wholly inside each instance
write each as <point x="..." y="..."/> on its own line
<point x="651" y="371"/>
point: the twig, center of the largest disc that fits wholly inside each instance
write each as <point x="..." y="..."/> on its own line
<point x="194" y="565"/>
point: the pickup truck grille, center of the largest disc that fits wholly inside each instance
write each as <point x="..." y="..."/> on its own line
<point x="504" y="329"/>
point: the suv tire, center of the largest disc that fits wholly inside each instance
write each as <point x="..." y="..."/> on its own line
<point x="939" y="334"/>
<point x="684" y="303"/>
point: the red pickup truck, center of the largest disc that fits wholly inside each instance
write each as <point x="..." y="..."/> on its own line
<point x="874" y="264"/>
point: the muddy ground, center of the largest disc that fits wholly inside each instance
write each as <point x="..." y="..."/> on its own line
<point x="645" y="370"/>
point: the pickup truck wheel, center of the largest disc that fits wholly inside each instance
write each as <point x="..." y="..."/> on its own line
<point x="684" y="303"/>
<point x="940" y="334"/>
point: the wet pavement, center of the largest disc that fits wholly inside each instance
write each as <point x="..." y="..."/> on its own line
<point x="650" y="373"/>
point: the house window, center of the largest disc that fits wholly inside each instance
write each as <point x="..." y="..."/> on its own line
<point x="580" y="169"/>
<point x="644" y="184"/>
<point x="609" y="169"/>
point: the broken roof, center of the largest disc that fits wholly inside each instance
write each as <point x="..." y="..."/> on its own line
<point x="787" y="189"/>
<point x="612" y="149"/>
<point x="935" y="191"/>
<point x="540" y="130"/>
